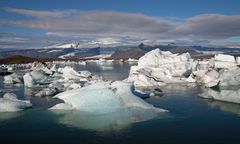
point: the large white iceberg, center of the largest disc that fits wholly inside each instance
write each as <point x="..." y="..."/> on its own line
<point x="102" y="97"/>
<point x="103" y="106"/>
<point x="10" y="103"/>
<point x="157" y="68"/>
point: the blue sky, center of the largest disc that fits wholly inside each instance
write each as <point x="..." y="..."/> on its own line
<point x="37" y="23"/>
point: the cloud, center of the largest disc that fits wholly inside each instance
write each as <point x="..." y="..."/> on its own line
<point x="38" y="14"/>
<point x="93" y="22"/>
<point x="211" y="25"/>
<point x="199" y="29"/>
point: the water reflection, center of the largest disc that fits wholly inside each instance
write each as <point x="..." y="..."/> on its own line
<point x="226" y="98"/>
<point x="114" y="121"/>
<point x="224" y="106"/>
<point x="231" y="94"/>
<point x="7" y="116"/>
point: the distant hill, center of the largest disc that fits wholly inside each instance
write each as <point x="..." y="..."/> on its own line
<point x="71" y="51"/>
<point x="88" y="53"/>
<point x="17" y="59"/>
<point x="130" y="53"/>
<point x="180" y="50"/>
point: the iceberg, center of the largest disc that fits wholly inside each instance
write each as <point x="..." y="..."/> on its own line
<point x="12" y="79"/>
<point x="158" y="68"/>
<point x="230" y="77"/>
<point x="225" y="58"/>
<point x="11" y="68"/>
<point x="41" y="66"/>
<point x="70" y="74"/>
<point x="103" y="97"/>
<point x="10" y="103"/>
<point x="103" y="106"/>
<point x="46" y="92"/>
<point x="33" y="78"/>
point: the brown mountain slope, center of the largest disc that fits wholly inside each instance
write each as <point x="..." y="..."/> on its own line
<point x="16" y="59"/>
<point x="130" y="53"/>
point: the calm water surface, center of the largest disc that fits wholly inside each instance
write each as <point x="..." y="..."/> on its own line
<point x="191" y="120"/>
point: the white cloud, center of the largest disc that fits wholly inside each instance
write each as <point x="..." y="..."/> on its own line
<point x="117" y="27"/>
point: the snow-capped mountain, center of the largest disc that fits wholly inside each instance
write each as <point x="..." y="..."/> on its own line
<point x="64" y="45"/>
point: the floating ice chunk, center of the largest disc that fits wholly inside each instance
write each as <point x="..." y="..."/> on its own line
<point x="209" y="78"/>
<point x="103" y="97"/>
<point x="10" y="103"/>
<point x="224" y="58"/>
<point x="224" y="65"/>
<point x="225" y="61"/>
<point x="70" y="73"/>
<point x="36" y="66"/>
<point x="33" y="78"/>
<point x="46" y="92"/>
<point x="74" y="86"/>
<point x="158" y="67"/>
<point x="28" y="80"/>
<point x="132" y="60"/>
<point x="103" y="106"/>
<point x="12" y="79"/>
<point x="156" y="58"/>
<point x="85" y="74"/>
<point x="230" y="77"/>
<point x="11" y="68"/>
<point x="82" y="63"/>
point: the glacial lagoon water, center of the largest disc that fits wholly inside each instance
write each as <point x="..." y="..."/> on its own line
<point x="190" y="119"/>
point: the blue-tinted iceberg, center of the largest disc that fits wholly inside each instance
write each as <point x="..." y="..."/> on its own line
<point x="103" y="106"/>
<point x="103" y="97"/>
